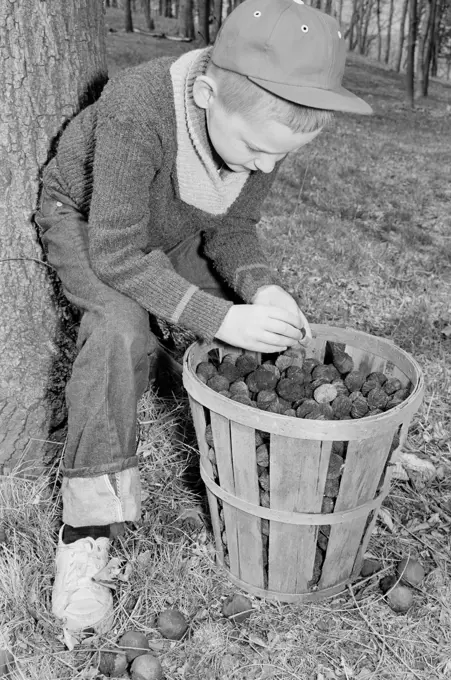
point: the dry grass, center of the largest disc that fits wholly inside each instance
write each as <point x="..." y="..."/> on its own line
<point x="358" y="225"/>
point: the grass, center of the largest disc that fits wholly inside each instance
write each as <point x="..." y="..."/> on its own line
<point x="358" y="225"/>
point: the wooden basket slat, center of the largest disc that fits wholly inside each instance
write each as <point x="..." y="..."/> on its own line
<point x="200" y="424"/>
<point x="365" y="461"/>
<point x="220" y="427"/>
<point x="246" y="487"/>
<point x="292" y="548"/>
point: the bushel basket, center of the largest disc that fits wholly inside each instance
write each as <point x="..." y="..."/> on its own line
<point x="288" y="548"/>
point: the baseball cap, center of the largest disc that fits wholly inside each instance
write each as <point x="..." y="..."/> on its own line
<point x="290" y="49"/>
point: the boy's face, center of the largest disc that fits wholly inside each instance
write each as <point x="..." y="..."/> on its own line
<point x="245" y="145"/>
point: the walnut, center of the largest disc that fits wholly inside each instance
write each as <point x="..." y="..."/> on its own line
<point x="307" y="406"/>
<point x="297" y="356"/>
<point x="378" y="375"/>
<point x="327" y="506"/>
<point x="284" y="404"/>
<point x="316" y="415"/>
<point x="205" y="370"/>
<point x="246" y="363"/>
<point x="268" y="366"/>
<point x="229" y="371"/>
<point x="341" y="406"/>
<point x="283" y="362"/>
<point x="262" y="454"/>
<point x="265" y="398"/>
<point x="322" y="541"/>
<point x="368" y="385"/>
<point x="265" y="527"/>
<point x="225" y="393"/>
<point x="340" y="387"/>
<point x="359" y="406"/>
<point x="296" y="373"/>
<point x="242" y="399"/>
<point x="374" y="412"/>
<point x="289" y="389"/>
<point x="397" y="398"/>
<point x="332" y="487"/>
<point x="290" y="412"/>
<point x="354" y="380"/>
<point x="218" y="383"/>
<point x="259" y="438"/>
<point x="230" y="358"/>
<point x="327" y="411"/>
<point x="264" y="499"/>
<point x="239" y="387"/>
<point x="324" y="394"/>
<point x="224" y="538"/>
<point x="343" y="362"/>
<point x="261" y="379"/>
<point x="335" y="466"/>
<point x="321" y="371"/>
<point x="392" y="385"/>
<point x="212" y="455"/>
<point x="339" y="448"/>
<point x="310" y="364"/>
<point x="209" y="436"/>
<point x="322" y="380"/>
<point x="263" y="479"/>
<point x="308" y="391"/>
<point x="377" y="398"/>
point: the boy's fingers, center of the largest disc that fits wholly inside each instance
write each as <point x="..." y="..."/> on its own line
<point x="280" y="314"/>
<point x="284" y="329"/>
<point x="308" y="331"/>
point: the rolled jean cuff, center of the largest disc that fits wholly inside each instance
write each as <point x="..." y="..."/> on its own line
<point x="95" y="501"/>
<point x="105" y="469"/>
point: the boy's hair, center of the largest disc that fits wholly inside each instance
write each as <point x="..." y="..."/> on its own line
<point x="238" y="94"/>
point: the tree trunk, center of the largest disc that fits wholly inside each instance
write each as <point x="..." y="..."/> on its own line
<point x="168" y="9"/>
<point x="352" y="25"/>
<point x="52" y="61"/>
<point x="186" y="19"/>
<point x="413" y="19"/>
<point x="340" y="11"/>
<point x="128" y="16"/>
<point x="367" y="11"/>
<point x="389" y="27"/>
<point x="217" y="19"/>
<point x="402" y="34"/>
<point x="204" y="25"/>
<point x="432" y="32"/>
<point x="423" y="9"/>
<point x="147" y="14"/>
<point x="379" y="30"/>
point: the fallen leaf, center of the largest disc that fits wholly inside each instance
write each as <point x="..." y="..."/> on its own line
<point x="420" y="470"/>
<point x="385" y="517"/>
<point x="109" y="573"/>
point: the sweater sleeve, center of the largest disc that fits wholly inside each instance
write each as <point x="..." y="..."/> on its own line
<point x="127" y="156"/>
<point x="234" y="247"/>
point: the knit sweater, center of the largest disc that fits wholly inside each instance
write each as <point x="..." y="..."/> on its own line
<point x="139" y="165"/>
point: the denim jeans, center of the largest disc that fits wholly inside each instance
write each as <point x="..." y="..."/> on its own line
<point x="111" y="371"/>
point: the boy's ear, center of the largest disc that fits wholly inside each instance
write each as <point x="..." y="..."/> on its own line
<point x="205" y="91"/>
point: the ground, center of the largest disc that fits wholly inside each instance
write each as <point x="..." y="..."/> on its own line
<point x="358" y="225"/>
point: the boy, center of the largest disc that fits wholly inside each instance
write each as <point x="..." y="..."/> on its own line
<point x="150" y="207"/>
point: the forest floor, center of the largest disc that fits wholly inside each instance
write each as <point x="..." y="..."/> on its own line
<point x="358" y="224"/>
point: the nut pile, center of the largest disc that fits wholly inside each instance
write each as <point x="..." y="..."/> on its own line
<point x="292" y="385"/>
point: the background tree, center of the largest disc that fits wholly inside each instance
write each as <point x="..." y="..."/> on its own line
<point x="128" y="16"/>
<point x="52" y="61"/>
<point x="389" y="29"/>
<point x="402" y="34"/>
<point x="204" y="22"/>
<point x="217" y="19"/>
<point x="413" y="22"/>
<point x="148" y="15"/>
<point x="430" y="41"/>
<point x="185" y="27"/>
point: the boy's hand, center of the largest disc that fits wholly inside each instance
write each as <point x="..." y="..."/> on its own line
<point x="278" y="297"/>
<point x="261" y="328"/>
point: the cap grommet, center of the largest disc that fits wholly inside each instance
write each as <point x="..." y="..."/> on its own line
<point x="257" y="14"/>
<point x="304" y="28"/>
<point x="299" y="2"/>
<point x="339" y="34"/>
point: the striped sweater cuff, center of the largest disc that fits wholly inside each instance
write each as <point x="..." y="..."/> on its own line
<point x="202" y="313"/>
<point x="249" y="278"/>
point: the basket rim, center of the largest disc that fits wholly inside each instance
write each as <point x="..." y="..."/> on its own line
<point x="303" y="427"/>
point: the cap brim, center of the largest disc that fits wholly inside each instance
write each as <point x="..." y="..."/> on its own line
<point x="332" y="100"/>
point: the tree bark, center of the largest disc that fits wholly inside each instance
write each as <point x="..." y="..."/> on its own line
<point x="423" y="9"/>
<point x="186" y="19"/>
<point x="217" y="19"/>
<point x="432" y="32"/>
<point x="389" y="27"/>
<point x="52" y="62"/>
<point x="128" y="18"/>
<point x="204" y="25"/>
<point x="147" y="14"/>
<point x="413" y="19"/>
<point x="402" y="34"/>
<point x="379" y="30"/>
